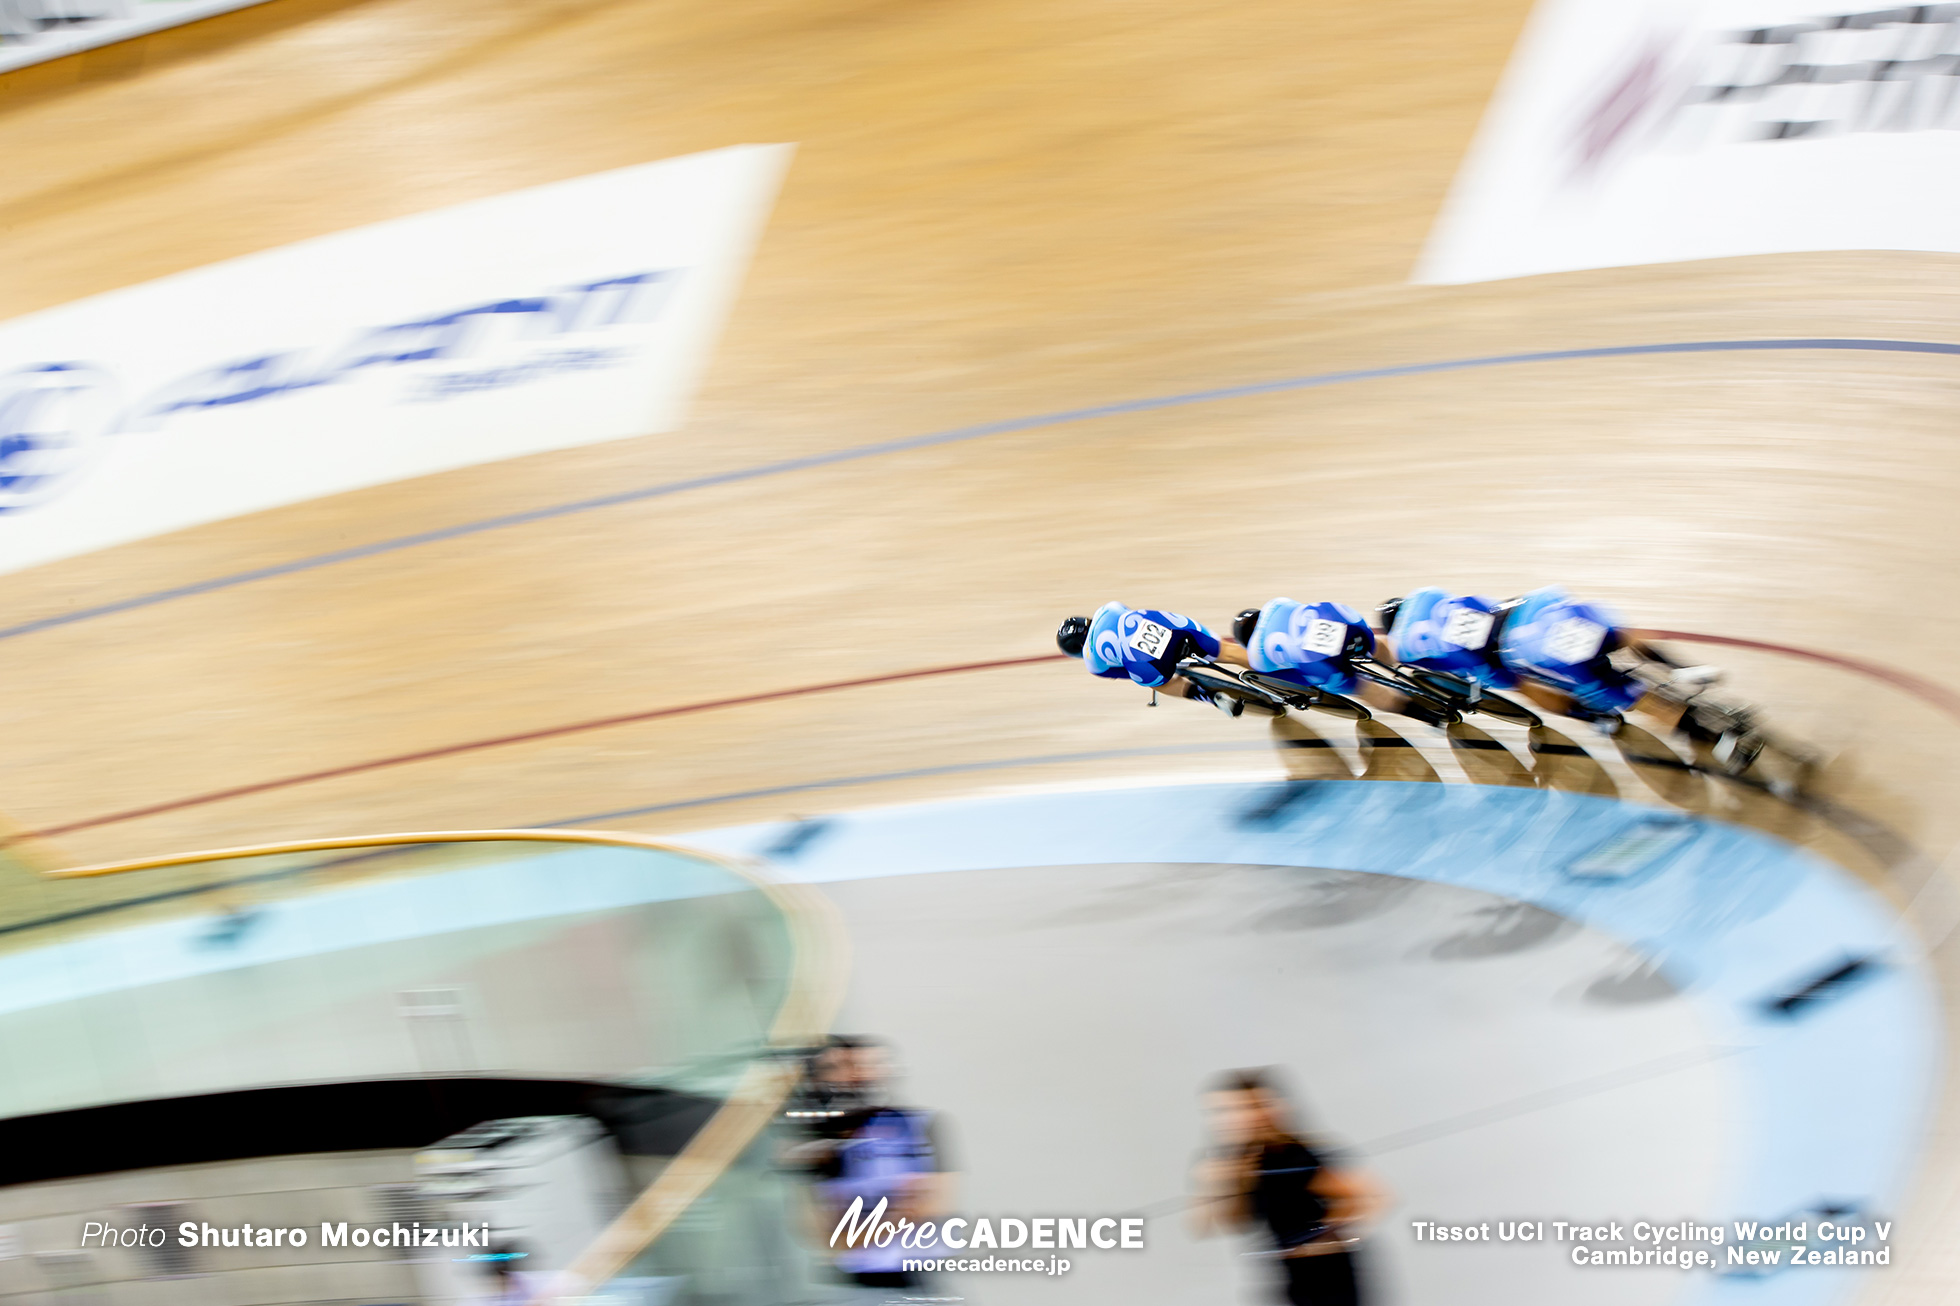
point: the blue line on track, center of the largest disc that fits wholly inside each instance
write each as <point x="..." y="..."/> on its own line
<point x="917" y="773"/>
<point x="959" y="435"/>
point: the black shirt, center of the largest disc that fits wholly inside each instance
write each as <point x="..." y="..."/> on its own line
<point x="1280" y="1194"/>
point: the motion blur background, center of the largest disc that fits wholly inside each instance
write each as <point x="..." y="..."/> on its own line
<point x="1049" y="304"/>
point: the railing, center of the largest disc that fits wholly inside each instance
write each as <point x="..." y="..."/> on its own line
<point x="634" y="962"/>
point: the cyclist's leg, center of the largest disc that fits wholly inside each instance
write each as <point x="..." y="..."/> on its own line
<point x="1555" y="701"/>
<point x="1561" y="703"/>
<point x="1661" y="711"/>
<point x="1731" y="736"/>
<point x="1726" y="735"/>
<point x="1382" y="698"/>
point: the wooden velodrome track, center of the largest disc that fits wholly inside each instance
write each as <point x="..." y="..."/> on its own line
<point x="999" y="209"/>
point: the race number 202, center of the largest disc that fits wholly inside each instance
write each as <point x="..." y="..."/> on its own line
<point x="1151" y="639"/>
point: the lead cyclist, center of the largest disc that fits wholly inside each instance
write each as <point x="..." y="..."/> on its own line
<point x="1145" y="645"/>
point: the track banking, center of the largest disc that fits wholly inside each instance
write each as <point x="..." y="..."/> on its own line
<point x="445" y="337"/>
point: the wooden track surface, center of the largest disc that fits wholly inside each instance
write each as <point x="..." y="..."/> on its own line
<point x="999" y="208"/>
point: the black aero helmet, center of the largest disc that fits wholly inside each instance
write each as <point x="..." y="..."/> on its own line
<point x="1072" y="635"/>
<point x="1243" y="625"/>
<point x="1385" y="614"/>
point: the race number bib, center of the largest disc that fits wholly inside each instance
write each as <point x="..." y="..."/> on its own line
<point x="1468" y="628"/>
<point x="1151" y="639"/>
<point x="1575" y="640"/>
<point x="1324" y="637"/>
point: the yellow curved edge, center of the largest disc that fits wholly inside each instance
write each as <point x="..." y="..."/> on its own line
<point x="819" y="956"/>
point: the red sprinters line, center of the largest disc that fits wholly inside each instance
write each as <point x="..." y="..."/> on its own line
<point x="1938" y="695"/>
<point x="477" y="745"/>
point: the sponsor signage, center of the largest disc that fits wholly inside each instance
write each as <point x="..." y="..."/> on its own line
<point x="34" y="31"/>
<point x="1653" y="131"/>
<point x="563" y="315"/>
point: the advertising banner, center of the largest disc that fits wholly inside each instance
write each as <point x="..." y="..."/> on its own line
<point x="567" y="314"/>
<point x="1655" y="131"/>
<point x="34" y="31"/>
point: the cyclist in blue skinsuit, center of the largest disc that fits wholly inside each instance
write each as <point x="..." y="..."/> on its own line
<point x="1318" y="645"/>
<point x="1145" y="645"/>
<point x="1557" y="650"/>
<point x="1311" y="644"/>
<point x="1572" y="657"/>
<point x="1433" y="630"/>
<point x="1549" y="638"/>
<point x="1566" y="655"/>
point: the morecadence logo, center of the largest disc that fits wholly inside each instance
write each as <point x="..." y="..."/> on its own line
<point x="859" y="1230"/>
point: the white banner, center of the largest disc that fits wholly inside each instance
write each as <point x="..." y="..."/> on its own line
<point x="1654" y="131"/>
<point x="559" y="316"/>
<point x="34" y="31"/>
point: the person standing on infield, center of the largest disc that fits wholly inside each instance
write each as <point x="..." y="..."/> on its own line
<point x="866" y="1150"/>
<point x="1259" y="1174"/>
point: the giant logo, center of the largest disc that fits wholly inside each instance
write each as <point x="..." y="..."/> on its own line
<point x="520" y="338"/>
<point x="551" y="318"/>
<point x="52" y="416"/>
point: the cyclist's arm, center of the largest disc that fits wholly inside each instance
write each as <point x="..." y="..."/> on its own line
<point x="1199" y="643"/>
<point x="1637" y="643"/>
<point x="1659" y="710"/>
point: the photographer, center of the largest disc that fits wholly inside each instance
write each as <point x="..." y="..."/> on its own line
<point x="857" y="1146"/>
<point x="1258" y="1173"/>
